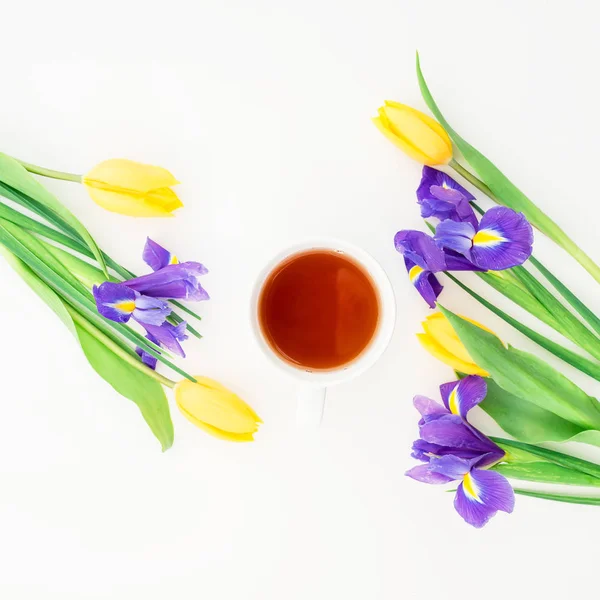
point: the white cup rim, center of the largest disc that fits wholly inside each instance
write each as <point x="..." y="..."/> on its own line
<point x="385" y="328"/>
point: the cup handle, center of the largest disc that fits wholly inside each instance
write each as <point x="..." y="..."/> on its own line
<point x="311" y="404"/>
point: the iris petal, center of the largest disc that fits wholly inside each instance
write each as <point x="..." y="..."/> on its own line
<point x="179" y="281"/>
<point x="114" y="301"/>
<point x="506" y="241"/>
<point x="481" y="495"/>
<point x="425" y="282"/>
<point x="155" y="256"/>
<point x="424" y="474"/>
<point x="461" y="396"/>
<point x="455" y="236"/>
<point x="441" y="197"/>
<point x="421" y="249"/>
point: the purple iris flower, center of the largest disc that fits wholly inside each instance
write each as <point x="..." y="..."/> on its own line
<point x="441" y="197"/>
<point x="171" y="279"/>
<point x="118" y="302"/>
<point x="167" y="335"/>
<point x="157" y="257"/>
<point x="174" y="282"/>
<point x="453" y="450"/>
<point x="423" y="257"/>
<point x="503" y="239"/>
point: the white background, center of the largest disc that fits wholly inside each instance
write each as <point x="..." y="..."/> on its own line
<point x="262" y="109"/>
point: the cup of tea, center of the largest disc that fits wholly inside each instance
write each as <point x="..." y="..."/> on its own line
<point x="323" y="312"/>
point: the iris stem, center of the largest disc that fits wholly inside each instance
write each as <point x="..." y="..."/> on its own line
<point x="589" y="500"/>
<point x="50" y="172"/>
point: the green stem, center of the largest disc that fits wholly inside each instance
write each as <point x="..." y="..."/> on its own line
<point x="50" y="172"/>
<point x="475" y="181"/>
<point x="589" y="500"/>
<point x="134" y="362"/>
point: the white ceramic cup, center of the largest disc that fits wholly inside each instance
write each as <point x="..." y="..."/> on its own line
<point x="313" y="384"/>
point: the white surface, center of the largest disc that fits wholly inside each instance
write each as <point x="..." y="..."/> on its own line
<point x="262" y="109"/>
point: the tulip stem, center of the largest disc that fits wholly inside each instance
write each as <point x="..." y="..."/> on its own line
<point x="50" y="172"/>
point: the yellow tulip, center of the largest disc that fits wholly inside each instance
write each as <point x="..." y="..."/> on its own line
<point x="216" y="410"/>
<point x="420" y="136"/>
<point x="131" y="188"/>
<point x="441" y="341"/>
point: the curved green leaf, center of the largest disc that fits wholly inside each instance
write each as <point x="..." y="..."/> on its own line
<point x="14" y="175"/>
<point x="147" y="393"/>
<point x="545" y="472"/>
<point x="527" y="376"/>
<point x="526" y="421"/>
<point x="128" y="381"/>
<point x="504" y="191"/>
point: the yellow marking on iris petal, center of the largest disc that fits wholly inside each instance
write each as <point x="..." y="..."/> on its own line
<point x="487" y="237"/>
<point x="469" y="487"/>
<point x="127" y="307"/>
<point x="445" y="185"/>
<point x="414" y="273"/>
<point x="174" y="260"/>
<point x="453" y="401"/>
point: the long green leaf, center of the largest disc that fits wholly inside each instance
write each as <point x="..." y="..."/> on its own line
<point x="582" y="363"/>
<point x="589" y="316"/>
<point x="526" y="421"/>
<point x="147" y="393"/>
<point x="545" y="472"/>
<point x="569" y="325"/>
<point x="589" y="500"/>
<point x="131" y="382"/>
<point x="14" y="175"/>
<point x="504" y="191"/>
<point x="526" y="375"/>
<point x="558" y="458"/>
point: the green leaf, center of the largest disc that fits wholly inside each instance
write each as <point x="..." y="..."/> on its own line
<point x="504" y="191"/>
<point x="568" y="295"/>
<point x="545" y="472"/>
<point x="558" y="458"/>
<point x="133" y="383"/>
<point x="567" y="323"/>
<point x="585" y="365"/>
<point x="14" y="175"/>
<point x="589" y="500"/>
<point x="526" y="376"/>
<point x="526" y="421"/>
<point x="147" y="394"/>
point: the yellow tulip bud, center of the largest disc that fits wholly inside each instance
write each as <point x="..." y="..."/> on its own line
<point x="216" y="410"/>
<point x="420" y="136"/>
<point x="133" y="189"/>
<point x="441" y="341"/>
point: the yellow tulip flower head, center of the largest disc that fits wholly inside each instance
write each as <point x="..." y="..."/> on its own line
<point x="216" y="410"/>
<point x="420" y="136"/>
<point x="133" y="189"/>
<point x="441" y="341"/>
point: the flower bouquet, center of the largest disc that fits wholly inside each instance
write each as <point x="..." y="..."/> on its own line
<point x="530" y="400"/>
<point x="125" y="324"/>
